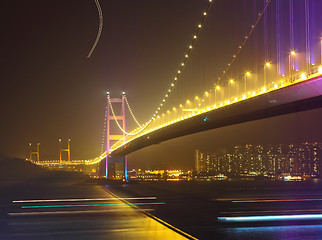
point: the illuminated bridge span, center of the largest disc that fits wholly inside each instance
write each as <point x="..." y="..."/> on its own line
<point x="274" y="69"/>
<point x="304" y="92"/>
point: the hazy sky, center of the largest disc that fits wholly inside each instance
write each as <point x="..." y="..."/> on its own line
<point x="51" y="90"/>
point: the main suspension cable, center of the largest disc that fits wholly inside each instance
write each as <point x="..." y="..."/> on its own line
<point x="240" y="48"/>
<point x="128" y="106"/>
<point x="119" y="126"/>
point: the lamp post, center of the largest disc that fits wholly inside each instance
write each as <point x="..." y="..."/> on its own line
<point x="187" y="104"/>
<point x="206" y="102"/>
<point x="321" y="51"/>
<point x="217" y="88"/>
<point x="246" y="74"/>
<point x="267" y="64"/>
<point x="291" y="63"/>
<point x="231" y="81"/>
<point x="196" y="101"/>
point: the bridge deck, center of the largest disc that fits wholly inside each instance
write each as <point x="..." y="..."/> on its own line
<point x="294" y="98"/>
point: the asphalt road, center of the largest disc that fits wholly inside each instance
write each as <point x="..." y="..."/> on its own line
<point x="76" y="210"/>
<point x="196" y="208"/>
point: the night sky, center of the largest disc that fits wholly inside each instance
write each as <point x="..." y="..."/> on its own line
<point x="51" y="90"/>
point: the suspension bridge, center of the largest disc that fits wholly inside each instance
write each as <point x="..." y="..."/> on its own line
<point x="275" y="69"/>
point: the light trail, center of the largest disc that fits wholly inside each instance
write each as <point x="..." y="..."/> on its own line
<point x="271" y="218"/>
<point x="276" y="200"/>
<point x="92" y="205"/>
<point x="76" y="212"/>
<point x="82" y="199"/>
<point x="100" y="27"/>
<point x="272" y="211"/>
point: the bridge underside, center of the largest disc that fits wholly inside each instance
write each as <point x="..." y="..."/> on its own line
<point x="299" y="97"/>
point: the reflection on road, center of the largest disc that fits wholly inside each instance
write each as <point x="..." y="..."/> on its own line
<point x="97" y="215"/>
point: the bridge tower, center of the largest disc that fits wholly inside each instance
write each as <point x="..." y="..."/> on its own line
<point x="61" y="150"/>
<point x="111" y="138"/>
<point x="34" y="153"/>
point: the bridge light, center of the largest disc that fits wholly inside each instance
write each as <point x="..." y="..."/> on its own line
<point x="179" y="71"/>
<point x="217" y="87"/>
<point x="174" y="109"/>
<point x="180" y="105"/>
<point x="190" y="46"/>
<point x="196" y="97"/>
<point x="247" y="73"/>
<point x="199" y="26"/>
<point x="107" y="93"/>
<point x="194" y="36"/>
<point x="231" y="81"/>
<point x="303" y="76"/>
<point x="182" y="64"/>
<point x="123" y="93"/>
<point x="293" y="53"/>
<point x="186" y="55"/>
<point x="320" y="70"/>
<point x="204" y="13"/>
<point x="267" y="64"/>
<point x="206" y="93"/>
<point x="188" y="101"/>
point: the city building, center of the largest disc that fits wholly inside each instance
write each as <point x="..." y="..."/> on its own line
<point x="270" y="160"/>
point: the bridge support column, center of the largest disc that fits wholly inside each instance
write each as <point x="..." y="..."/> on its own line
<point x="115" y="167"/>
<point x="34" y="153"/>
<point x="61" y="150"/>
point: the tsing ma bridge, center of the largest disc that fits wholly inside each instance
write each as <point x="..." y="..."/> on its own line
<point x="283" y="77"/>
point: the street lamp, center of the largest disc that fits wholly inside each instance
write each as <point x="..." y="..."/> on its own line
<point x="321" y="51"/>
<point x="206" y="99"/>
<point x="217" y="88"/>
<point x="231" y="81"/>
<point x="267" y="64"/>
<point x="291" y="63"/>
<point x="246" y="74"/>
